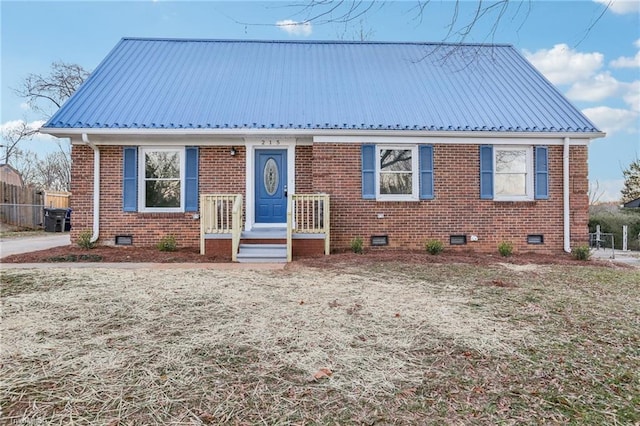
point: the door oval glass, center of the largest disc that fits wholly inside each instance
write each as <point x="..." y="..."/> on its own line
<point x="271" y="178"/>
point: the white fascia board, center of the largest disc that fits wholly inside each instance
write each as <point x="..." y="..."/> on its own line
<point x="475" y="139"/>
<point x="326" y="135"/>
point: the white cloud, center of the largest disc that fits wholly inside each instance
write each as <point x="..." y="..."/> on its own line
<point x="612" y="120"/>
<point x="594" y="89"/>
<point x="295" y="28"/>
<point x="621" y="7"/>
<point x="562" y="65"/>
<point x="632" y="95"/>
<point x="15" y="125"/>
<point x="627" y="62"/>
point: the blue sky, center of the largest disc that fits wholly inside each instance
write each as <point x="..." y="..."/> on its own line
<point x="589" y="49"/>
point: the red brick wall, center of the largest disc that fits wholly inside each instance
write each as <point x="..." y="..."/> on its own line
<point x="218" y="249"/>
<point x="219" y="172"/>
<point x="304" y="176"/>
<point x="457" y="207"/>
<point x="81" y="200"/>
<point x="307" y="248"/>
<point x="579" y="195"/>
<point x="335" y="169"/>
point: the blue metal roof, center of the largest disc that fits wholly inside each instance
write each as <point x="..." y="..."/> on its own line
<point x="229" y="84"/>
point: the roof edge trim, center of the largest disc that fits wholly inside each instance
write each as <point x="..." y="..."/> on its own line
<point x="68" y="132"/>
<point x="272" y="41"/>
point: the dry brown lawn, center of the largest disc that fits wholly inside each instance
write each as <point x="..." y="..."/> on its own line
<point x="370" y="343"/>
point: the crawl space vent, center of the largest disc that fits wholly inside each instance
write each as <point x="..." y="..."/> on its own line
<point x="379" y="240"/>
<point x="457" y="240"/>
<point x="124" y="240"/>
<point x="535" y="239"/>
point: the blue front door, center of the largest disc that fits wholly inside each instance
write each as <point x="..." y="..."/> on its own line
<point x="271" y="185"/>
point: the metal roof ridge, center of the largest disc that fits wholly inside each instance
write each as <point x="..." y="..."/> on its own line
<point x="336" y="42"/>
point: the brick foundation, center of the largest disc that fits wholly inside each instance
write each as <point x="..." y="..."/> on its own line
<point x="218" y="248"/>
<point x="307" y="248"/>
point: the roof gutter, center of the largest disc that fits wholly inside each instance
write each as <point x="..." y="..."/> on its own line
<point x="565" y="196"/>
<point x="257" y="132"/>
<point x="96" y="187"/>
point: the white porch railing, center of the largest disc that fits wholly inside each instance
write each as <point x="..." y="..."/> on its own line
<point x="236" y="228"/>
<point x="221" y="214"/>
<point x="308" y="214"/>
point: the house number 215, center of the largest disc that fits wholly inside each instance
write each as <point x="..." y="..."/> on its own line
<point x="270" y="142"/>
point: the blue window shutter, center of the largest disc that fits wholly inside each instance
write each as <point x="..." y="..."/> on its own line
<point x="369" y="172"/>
<point x="130" y="179"/>
<point x="486" y="172"/>
<point x="426" y="172"/>
<point x="191" y="179"/>
<point x="542" y="173"/>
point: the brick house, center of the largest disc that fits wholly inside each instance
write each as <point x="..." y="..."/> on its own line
<point x="233" y="145"/>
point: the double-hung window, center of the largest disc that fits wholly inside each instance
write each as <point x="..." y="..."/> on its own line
<point x="161" y="177"/>
<point x="514" y="173"/>
<point x="397" y="172"/>
<point x="397" y="177"/>
<point x="513" y="178"/>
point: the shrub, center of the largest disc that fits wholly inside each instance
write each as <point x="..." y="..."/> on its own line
<point x="357" y="245"/>
<point x="434" y="247"/>
<point x="611" y="221"/>
<point x="581" y="252"/>
<point x="505" y="248"/>
<point x="84" y="240"/>
<point x="167" y="243"/>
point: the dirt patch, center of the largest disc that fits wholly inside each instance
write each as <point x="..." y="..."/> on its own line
<point x="73" y="253"/>
<point x="521" y="262"/>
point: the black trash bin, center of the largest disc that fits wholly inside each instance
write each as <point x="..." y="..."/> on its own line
<point x="54" y="219"/>
<point x="67" y="221"/>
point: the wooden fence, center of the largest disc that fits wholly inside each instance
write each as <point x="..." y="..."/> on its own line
<point x="56" y="200"/>
<point x="21" y="206"/>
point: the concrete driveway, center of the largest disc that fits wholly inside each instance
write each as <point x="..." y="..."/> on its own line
<point x="15" y="245"/>
<point x="629" y="257"/>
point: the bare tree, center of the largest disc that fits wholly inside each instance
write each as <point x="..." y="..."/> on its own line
<point x="44" y="94"/>
<point x="595" y="193"/>
<point x="12" y="134"/>
<point x="459" y="24"/>
<point x="52" y="172"/>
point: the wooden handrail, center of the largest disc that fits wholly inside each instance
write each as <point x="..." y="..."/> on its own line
<point x="308" y="214"/>
<point x="220" y="214"/>
<point x="236" y="227"/>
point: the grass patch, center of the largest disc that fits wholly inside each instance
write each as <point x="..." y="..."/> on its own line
<point x="24" y="282"/>
<point x="443" y="344"/>
<point x="23" y="233"/>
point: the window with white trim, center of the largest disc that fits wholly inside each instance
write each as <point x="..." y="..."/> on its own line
<point x="161" y="179"/>
<point x="513" y="176"/>
<point x="397" y="173"/>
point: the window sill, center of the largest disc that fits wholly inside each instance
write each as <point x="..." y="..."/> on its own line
<point x="401" y="199"/>
<point x="149" y="215"/>
<point x="514" y="200"/>
<point x="531" y="202"/>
